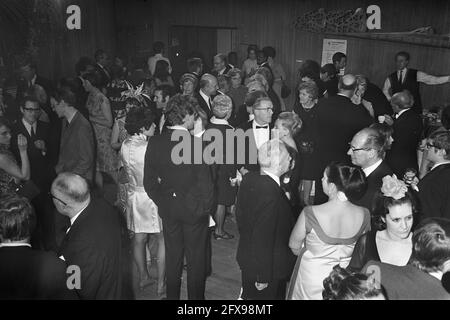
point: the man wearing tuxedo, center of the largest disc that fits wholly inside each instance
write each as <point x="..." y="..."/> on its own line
<point x="339" y="120"/>
<point x="405" y="78"/>
<point x="221" y="65"/>
<point x="93" y="239"/>
<point x="26" y="273"/>
<point x="265" y="221"/>
<point x="367" y="150"/>
<point x="37" y="133"/>
<point x="208" y="89"/>
<point x="408" y="127"/>
<point x="77" y="149"/>
<point x="183" y="192"/>
<point x="434" y="188"/>
<point x="101" y="63"/>
<point x="259" y="132"/>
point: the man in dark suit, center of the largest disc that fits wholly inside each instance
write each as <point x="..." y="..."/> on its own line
<point x="183" y="191"/>
<point x="101" y="68"/>
<point x="93" y="239"/>
<point x="339" y="120"/>
<point x="367" y="150"/>
<point x="221" y="65"/>
<point x="207" y="91"/>
<point x="434" y="188"/>
<point x="162" y="95"/>
<point x="37" y="134"/>
<point x="258" y="131"/>
<point x="265" y="221"/>
<point x="77" y="149"/>
<point x="408" y="128"/>
<point x="26" y="273"/>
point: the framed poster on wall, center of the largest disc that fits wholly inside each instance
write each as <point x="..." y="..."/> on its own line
<point x="330" y="47"/>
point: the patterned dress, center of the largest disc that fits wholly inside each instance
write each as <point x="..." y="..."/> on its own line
<point x="7" y="183"/>
<point x="107" y="159"/>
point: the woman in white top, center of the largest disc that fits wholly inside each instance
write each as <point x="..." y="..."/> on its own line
<point x="141" y="212"/>
<point x="250" y="64"/>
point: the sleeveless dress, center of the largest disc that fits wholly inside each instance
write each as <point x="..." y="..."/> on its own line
<point x="141" y="212"/>
<point x="318" y="257"/>
<point x="122" y="180"/>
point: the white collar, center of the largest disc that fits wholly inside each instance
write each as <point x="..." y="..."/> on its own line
<point x="69" y="120"/>
<point x="15" y="244"/>
<point x="75" y="217"/>
<point x="254" y="124"/>
<point x="218" y="121"/>
<point x="28" y="126"/>
<point x="372" y="168"/>
<point x="404" y="69"/>
<point x="199" y="134"/>
<point x="33" y="81"/>
<point x="204" y="96"/>
<point x="177" y="127"/>
<point x="251" y="117"/>
<point x="343" y="95"/>
<point x="100" y="65"/>
<point x="274" y="177"/>
<point x="158" y="55"/>
<point x="401" y="112"/>
<point x="440" y="163"/>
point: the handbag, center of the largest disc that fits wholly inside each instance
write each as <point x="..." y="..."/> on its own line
<point x="28" y="189"/>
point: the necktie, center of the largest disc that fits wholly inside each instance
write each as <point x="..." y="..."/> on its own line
<point x="262" y="127"/>
<point x="33" y="134"/>
<point x="400" y="76"/>
<point x="209" y="103"/>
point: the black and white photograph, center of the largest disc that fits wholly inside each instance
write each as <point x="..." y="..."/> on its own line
<point x="242" y="152"/>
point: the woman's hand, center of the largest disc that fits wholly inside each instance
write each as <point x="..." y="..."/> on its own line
<point x="22" y="143"/>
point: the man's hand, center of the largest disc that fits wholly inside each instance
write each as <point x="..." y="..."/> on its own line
<point x="388" y="119"/>
<point x="22" y="143"/>
<point x="261" y="286"/>
<point x="40" y="144"/>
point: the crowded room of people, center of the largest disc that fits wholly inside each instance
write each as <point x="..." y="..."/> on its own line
<point x="224" y="150"/>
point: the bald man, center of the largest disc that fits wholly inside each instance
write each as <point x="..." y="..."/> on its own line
<point x="408" y="129"/>
<point x="338" y="121"/>
<point x="265" y="221"/>
<point x="207" y="91"/>
<point x="93" y="239"/>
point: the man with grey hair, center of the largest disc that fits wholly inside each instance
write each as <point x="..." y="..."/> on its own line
<point x="339" y="120"/>
<point x="93" y="240"/>
<point x="408" y="128"/>
<point x="367" y="150"/>
<point x="265" y="221"/>
<point x="207" y="91"/>
<point x="221" y="65"/>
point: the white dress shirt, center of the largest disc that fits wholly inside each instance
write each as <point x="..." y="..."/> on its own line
<point x="372" y="168"/>
<point x="29" y="126"/>
<point x="439" y="164"/>
<point x="261" y="135"/>
<point x="421" y="77"/>
<point x="206" y="98"/>
<point x="400" y="113"/>
<point x="75" y="217"/>
<point x="154" y="59"/>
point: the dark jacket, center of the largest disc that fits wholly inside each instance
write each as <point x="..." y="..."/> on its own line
<point x="265" y="221"/>
<point x="94" y="244"/>
<point x="434" y="192"/>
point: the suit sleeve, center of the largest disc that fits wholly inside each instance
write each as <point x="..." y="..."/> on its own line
<point x="151" y="169"/>
<point x="263" y="240"/>
<point x="86" y="151"/>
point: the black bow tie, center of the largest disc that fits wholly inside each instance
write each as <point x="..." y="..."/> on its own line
<point x="262" y="127"/>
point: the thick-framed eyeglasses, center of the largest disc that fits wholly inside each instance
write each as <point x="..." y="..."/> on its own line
<point x="32" y="109"/>
<point x="56" y="198"/>
<point x="358" y="149"/>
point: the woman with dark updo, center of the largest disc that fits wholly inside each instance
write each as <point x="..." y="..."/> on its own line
<point x="325" y="235"/>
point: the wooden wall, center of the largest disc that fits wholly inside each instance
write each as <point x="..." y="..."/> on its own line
<point x="268" y="22"/>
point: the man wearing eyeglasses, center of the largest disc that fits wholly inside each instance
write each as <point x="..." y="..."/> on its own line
<point x="367" y="150"/>
<point x="434" y="188"/>
<point x="407" y="133"/>
<point x="37" y="134"/>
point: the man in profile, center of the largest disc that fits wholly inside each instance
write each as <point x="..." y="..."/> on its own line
<point x="93" y="239"/>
